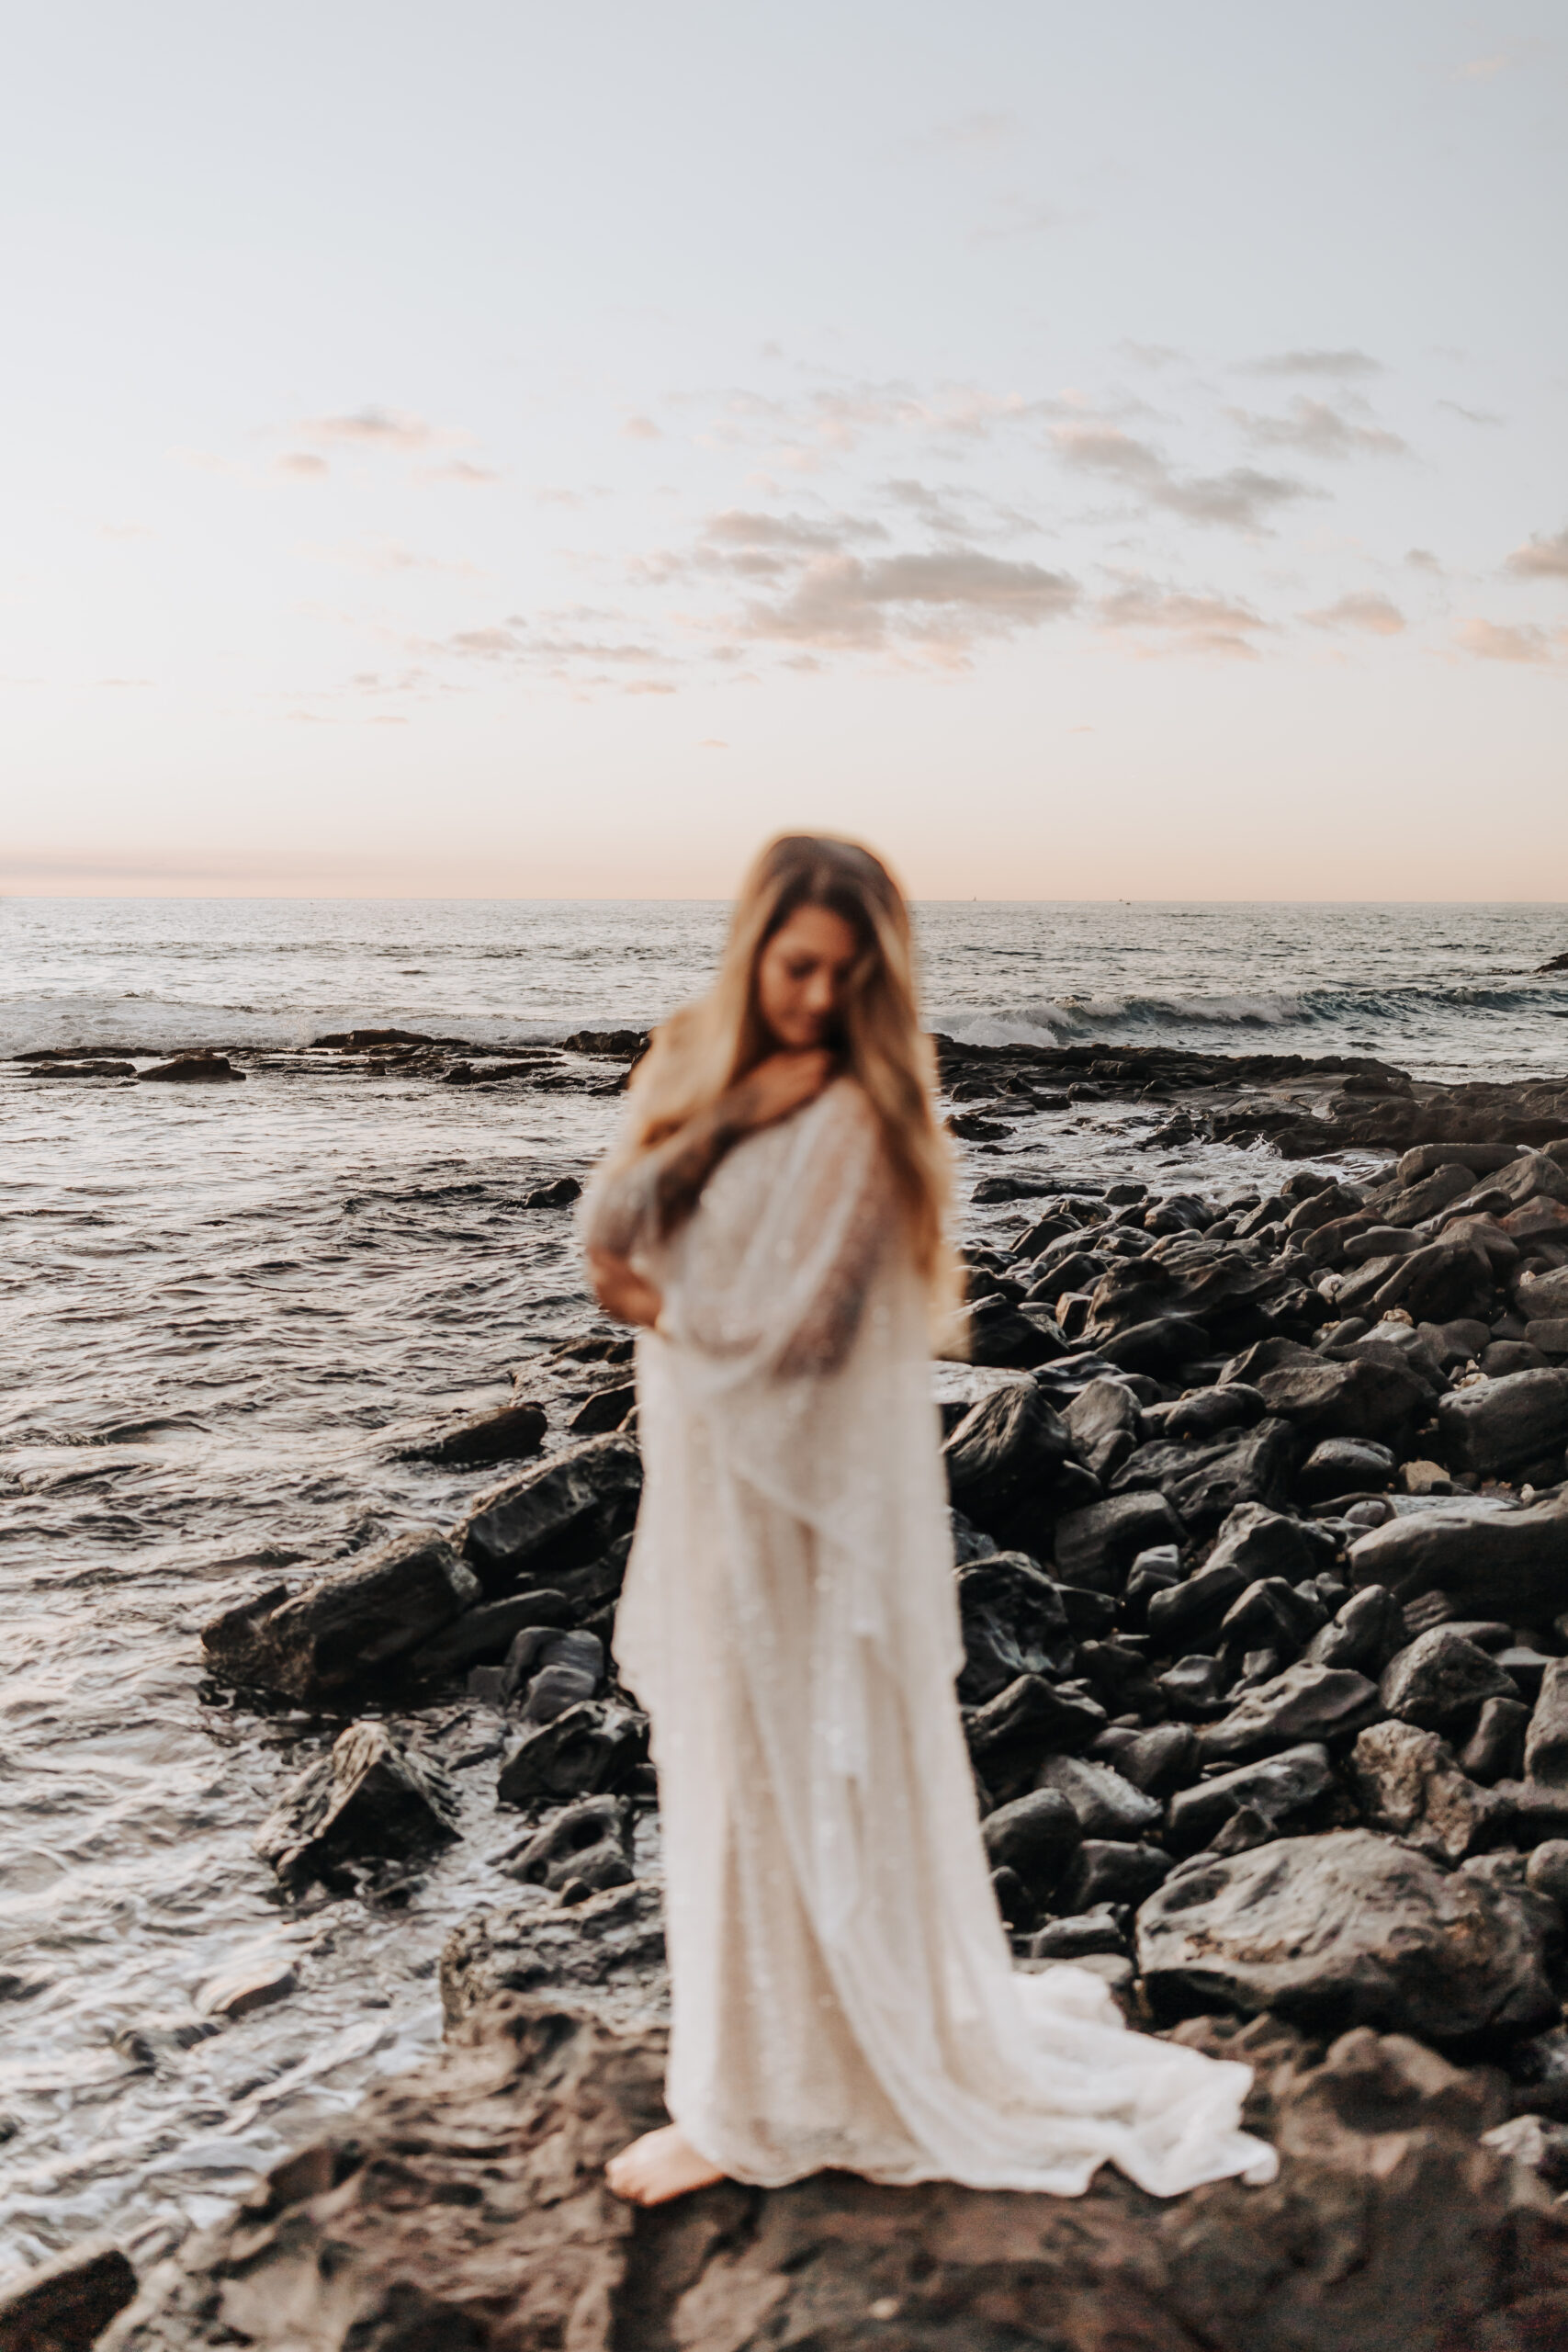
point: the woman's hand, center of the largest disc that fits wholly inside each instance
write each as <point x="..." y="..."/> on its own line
<point x="776" y="1087"/>
<point x="620" y="1291"/>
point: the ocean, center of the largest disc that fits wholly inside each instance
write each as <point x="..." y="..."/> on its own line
<point x="225" y="1310"/>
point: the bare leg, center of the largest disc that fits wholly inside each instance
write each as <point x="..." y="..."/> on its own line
<point x="660" y="2165"/>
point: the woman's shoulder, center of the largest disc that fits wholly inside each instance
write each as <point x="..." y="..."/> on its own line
<point x="845" y="1111"/>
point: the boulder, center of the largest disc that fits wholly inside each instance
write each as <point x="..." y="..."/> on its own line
<point x="1275" y="1788"/>
<point x="1490" y="1559"/>
<point x="370" y="1798"/>
<point x="1496" y="1426"/>
<point x="1102" y="1422"/>
<point x="1362" y="1398"/>
<point x="488" y="1632"/>
<point x="1305" y="1703"/>
<point x="504" y="1435"/>
<point x="1366" y="1632"/>
<point x="1155" y="1761"/>
<point x="1546" y="1742"/>
<point x="1156" y="1346"/>
<point x="1097" y="1545"/>
<point x="586" y="1846"/>
<point x="1085" y="1933"/>
<point x="1408" y="1782"/>
<point x="1013" y="1624"/>
<point x="1184" y="1614"/>
<point x="1002" y="1336"/>
<point x="1345" y="1465"/>
<point x="462" y="2207"/>
<point x="1204" y="1412"/>
<point x="1112" y="1869"/>
<point x="555" y="1669"/>
<point x="1204" y="1483"/>
<point x="1106" y="1805"/>
<point x="64" y="2305"/>
<point x="1009" y="1736"/>
<point x="1033" y="1835"/>
<point x="193" y="1070"/>
<point x="1002" y="1462"/>
<point x="1349" y="1927"/>
<point x="1439" y="1681"/>
<point x="1272" y="1615"/>
<point x="1495" y="1750"/>
<point x="351" y="1626"/>
<point x="553" y="1519"/>
<point x="585" y="1749"/>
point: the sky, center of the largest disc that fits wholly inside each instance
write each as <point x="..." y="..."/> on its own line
<point x="505" y="449"/>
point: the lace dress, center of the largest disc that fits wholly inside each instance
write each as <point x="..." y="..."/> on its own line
<point x="843" y="1989"/>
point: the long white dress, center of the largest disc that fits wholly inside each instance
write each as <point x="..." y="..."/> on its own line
<point x="843" y="1990"/>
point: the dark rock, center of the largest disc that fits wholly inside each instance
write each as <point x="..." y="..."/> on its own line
<point x="1033" y="1837"/>
<point x="1002" y="1465"/>
<point x="1486" y="1557"/>
<point x="504" y="1435"/>
<point x="608" y="1949"/>
<point x="1204" y="1412"/>
<point x="1030" y="1719"/>
<point x="1349" y="1927"/>
<point x="556" y="1669"/>
<point x="1155" y="1761"/>
<point x="369" y="1798"/>
<point x="584" y="1750"/>
<point x="489" y="1632"/>
<point x="1495" y="1750"/>
<point x="607" y="1408"/>
<point x="1539" y="2069"/>
<point x="1345" y="1465"/>
<point x="193" y="1070"/>
<point x="1545" y="1743"/>
<point x="1263" y="1543"/>
<point x="1367" y="1631"/>
<point x="351" y="1623"/>
<point x="1014" y="1339"/>
<point x="1272" y="1614"/>
<point x="1500" y="1425"/>
<point x="463" y="2207"/>
<point x="1102" y="1422"/>
<point x="1407" y="1782"/>
<point x="1013" y="1624"/>
<point x="65" y="2305"/>
<point x="588" y="1844"/>
<point x="1306" y="1702"/>
<point x="1187" y="1612"/>
<point x="1439" y="1681"/>
<point x="1089" y="1931"/>
<point x="1096" y="1546"/>
<point x="1274" y="1788"/>
<point x="558" y="1195"/>
<point x="1112" y="1869"/>
<point x="1195" y="1688"/>
<point x="1156" y="1346"/>
<point x="1363" y="1398"/>
<point x="1546" y="1871"/>
<point x="1106" y="1804"/>
<point x="555" y="1517"/>
<point x="1204" y="1483"/>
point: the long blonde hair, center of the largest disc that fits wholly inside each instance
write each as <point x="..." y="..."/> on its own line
<point x="707" y="1047"/>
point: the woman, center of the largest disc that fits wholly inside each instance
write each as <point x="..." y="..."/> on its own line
<point x="843" y="1990"/>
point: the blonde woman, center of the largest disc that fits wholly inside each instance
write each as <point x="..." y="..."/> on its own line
<point x="843" y="1990"/>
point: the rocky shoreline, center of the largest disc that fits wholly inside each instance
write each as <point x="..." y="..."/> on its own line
<point x="1261" y="1525"/>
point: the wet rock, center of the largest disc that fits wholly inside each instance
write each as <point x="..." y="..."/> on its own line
<point x="1157" y="1346"/>
<point x="193" y="1070"/>
<point x="463" y="2207"/>
<point x="587" y="1748"/>
<point x="556" y="1671"/>
<point x="1013" y="1624"/>
<point x="1102" y="1422"/>
<point x="1501" y="1425"/>
<point x="1264" y="1543"/>
<point x="1305" y="1703"/>
<point x="1272" y="1614"/>
<point x="1363" y="1398"/>
<point x="1439" y="1681"/>
<point x="1157" y="1760"/>
<point x="1002" y="1463"/>
<point x="1106" y="1805"/>
<point x="1195" y="1688"/>
<point x="1204" y="1483"/>
<point x="350" y="1625"/>
<point x="607" y="1408"/>
<point x="1033" y="1837"/>
<point x="1030" y="1719"/>
<point x="1487" y="1557"/>
<point x="1408" y="1783"/>
<point x="368" y="1798"/>
<point x="552" y="1520"/>
<point x="489" y="1632"/>
<point x="1184" y="1614"/>
<point x="608" y="1950"/>
<point x="588" y="1845"/>
<point x="1495" y="1750"/>
<point x="1366" y="1632"/>
<point x="505" y="1435"/>
<point x="1112" y="1869"/>
<point x="1349" y="1927"/>
<point x="1546" y="1742"/>
<point x="556" y="1196"/>
<point x="1277" y="1788"/>
<point x="1345" y="1465"/>
<point x="65" y="2305"/>
<point x="1205" y="1412"/>
<point x="1096" y="1546"/>
<point x="1008" y="1338"/>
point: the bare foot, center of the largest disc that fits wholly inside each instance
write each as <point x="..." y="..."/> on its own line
<point x="660" y="2165"/>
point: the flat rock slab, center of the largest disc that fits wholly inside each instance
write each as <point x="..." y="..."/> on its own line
<point x="1350" y="1928"/>
<point x="463" y="2207"/>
